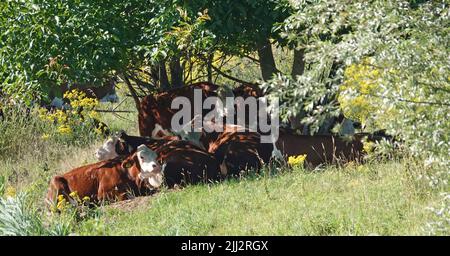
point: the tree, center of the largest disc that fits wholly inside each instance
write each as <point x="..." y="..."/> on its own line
<point x="46" y="43"/>
<point x="242" y="27"/>
<point x="151" y="44"/>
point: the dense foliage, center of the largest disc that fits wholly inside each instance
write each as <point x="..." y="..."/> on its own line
<point x="47" y="43"/>
<point x="384" y="63"/>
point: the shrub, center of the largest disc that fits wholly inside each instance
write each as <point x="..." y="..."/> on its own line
<point x="17" y="218"/>
<point x="79" y="121"/>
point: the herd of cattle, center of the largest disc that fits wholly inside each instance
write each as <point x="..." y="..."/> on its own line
<point x="129" y="166"/>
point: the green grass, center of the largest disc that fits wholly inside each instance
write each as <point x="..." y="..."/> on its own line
<point x="376" y="199"/>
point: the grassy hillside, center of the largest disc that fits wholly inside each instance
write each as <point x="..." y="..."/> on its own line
<point x="377" y="199"/>
<point x="383" y="198"/>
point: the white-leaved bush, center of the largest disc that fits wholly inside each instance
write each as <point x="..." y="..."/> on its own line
<point x="19" y="218"/>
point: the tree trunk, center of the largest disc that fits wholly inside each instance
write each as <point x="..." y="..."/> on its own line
<point x="298" y="66"/>
<point x="266" y="60"/>
<point x="176" y="72"/>
<point x="159" y="75"/>
<point x="133" y="93"/>
<point x="209" y="67"/>
<point x="163" y="78"/>
<point x="154" y="75"/>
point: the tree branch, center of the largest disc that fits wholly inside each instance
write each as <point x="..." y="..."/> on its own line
<point x="112" y="111"/>
<point x="410" y="101"/>
<point x="252" y="59"/>
<point x="141" y="84"/>
<point x="133" y="93"/>
<point x="220" y="72"/>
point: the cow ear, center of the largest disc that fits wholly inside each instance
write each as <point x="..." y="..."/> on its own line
<point x="121" y="134"/>
<point x="128" y="162"/>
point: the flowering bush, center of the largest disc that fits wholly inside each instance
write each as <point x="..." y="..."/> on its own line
<point x="81" y="118"/>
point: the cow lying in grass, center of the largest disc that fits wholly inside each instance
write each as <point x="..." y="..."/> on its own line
<point x="183" y="162"/>
<point x="322" y="149"/>
<point x="114" y="179"/>
<point x="236" y="148"/>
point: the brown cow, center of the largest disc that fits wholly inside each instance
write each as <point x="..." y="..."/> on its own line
<point x="109" y="180"/>
<point x="183" y="162"/>
<point x="236" y="148"/>
<point x="155" y="113"/>
<point x="320" y="149"/>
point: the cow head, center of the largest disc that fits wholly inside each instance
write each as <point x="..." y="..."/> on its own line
<point x="148" y="169"/>
<point x="113" y="147"/>
<point x="107" y="150"/>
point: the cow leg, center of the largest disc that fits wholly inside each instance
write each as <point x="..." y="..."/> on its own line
<point x="104" y="194"/>
<point x="58" y="186"/>
<point x="107" y="192"/>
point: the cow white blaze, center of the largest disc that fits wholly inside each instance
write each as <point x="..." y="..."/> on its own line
<point x="107" y="150"/>
<point x="150" y="168"/>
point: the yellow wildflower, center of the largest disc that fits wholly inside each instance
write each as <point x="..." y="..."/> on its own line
<point x="64" y="129"/>
<point x="62" y="203"/>
<point x="10" y="192"/>
<point x="80" y="100"/>
<point x="42" y="113"/>
<point x="93" y="114"/>
<point x="45" y="136"/>
<point x="368" y="146"/>
<point x="61" y="116"/>
<point x="73" y="194"/>
<point x="296" y="160"/>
